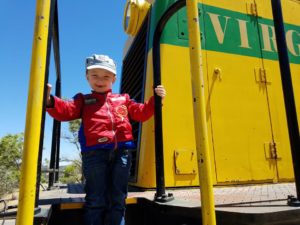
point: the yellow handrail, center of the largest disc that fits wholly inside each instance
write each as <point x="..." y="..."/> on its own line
<point x="202" y="146"/>
<point x="34" y="114"/>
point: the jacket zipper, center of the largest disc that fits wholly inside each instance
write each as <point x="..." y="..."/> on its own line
<point x="112" y="124"/>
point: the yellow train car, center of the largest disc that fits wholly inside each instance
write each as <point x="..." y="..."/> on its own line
<point x="248" y="134"/>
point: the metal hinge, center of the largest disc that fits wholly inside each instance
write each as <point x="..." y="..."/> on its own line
<point x="252" y="9"/>
<point x="261" y="75"/>
<point x="271" y="150"/>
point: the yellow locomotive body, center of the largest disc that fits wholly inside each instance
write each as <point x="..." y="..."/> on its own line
<point x="246" y="117"/>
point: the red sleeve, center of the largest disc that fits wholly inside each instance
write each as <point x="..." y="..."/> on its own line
<point x="66" y="110"/>
<point x="141" y="112"/>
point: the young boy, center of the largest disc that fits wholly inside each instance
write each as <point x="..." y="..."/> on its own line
<point x="105" y="137"/>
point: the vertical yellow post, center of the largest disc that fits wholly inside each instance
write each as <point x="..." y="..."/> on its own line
<point x="204" y="163"/>
<point x="34" y="114"/>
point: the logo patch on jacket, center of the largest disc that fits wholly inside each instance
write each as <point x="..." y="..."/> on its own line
<point x="90" y="101"/>
<point x="103" y="139"/>
<point x="122" y="111"/>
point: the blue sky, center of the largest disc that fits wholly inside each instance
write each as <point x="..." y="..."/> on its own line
<point x="86" y="27"/>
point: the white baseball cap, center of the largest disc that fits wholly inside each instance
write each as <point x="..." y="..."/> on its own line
<point x="101" y="62"/>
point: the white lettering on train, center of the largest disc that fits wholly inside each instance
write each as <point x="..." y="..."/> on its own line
<point x="217" y="26"/>
<point x="267" y="32"/>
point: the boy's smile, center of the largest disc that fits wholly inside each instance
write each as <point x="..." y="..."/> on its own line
<point x="100" y="80"/>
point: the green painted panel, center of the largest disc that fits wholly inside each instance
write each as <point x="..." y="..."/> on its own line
<point x="231" y="32"/>
<point x="170" y="32"/>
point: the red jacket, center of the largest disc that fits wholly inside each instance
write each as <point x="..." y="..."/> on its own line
<point x="105" y="118"/>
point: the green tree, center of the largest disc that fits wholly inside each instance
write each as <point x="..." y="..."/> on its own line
<point x="71" y="174"/>
<point x="11" y="148"/>
<point x="72" y="137"/>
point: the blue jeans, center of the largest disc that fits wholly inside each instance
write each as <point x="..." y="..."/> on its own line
<point x="106" y="173"/>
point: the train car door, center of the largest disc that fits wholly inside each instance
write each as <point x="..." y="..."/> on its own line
<point x="238" y="98"/>
<point x="291" y="9"/>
